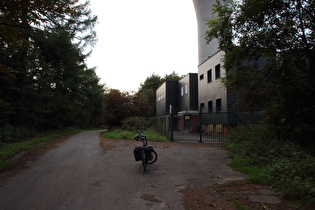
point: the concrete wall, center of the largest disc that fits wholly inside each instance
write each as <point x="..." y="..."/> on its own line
<point x="203" y="10"/>
<point x="211" y="91"/>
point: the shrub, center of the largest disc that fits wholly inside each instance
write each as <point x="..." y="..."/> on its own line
<point x="10" y="134"/>
<point x="287" y="166"/>
<point x="135" y="123"/>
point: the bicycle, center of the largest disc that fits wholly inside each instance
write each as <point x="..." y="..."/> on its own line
<point x="144" y="153"/>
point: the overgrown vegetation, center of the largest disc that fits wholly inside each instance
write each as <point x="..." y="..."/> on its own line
<point x="284" y="165"/>
<point x="8" y="150"/>
<point x="125" y="134"/>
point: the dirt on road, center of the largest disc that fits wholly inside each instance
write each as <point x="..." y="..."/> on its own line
<point x="86" y="171"/>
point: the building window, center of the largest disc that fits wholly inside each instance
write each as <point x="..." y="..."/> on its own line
<point x="210" y="106"/>
<point x="209" y="75"/>
<point x="186" y="89"/>
<point x="217" y="71"/>
<point x="201" y="77"/>
<point x="181" y="91"/>
<point x="218" y="105"/>
<point x="161" y="97"/>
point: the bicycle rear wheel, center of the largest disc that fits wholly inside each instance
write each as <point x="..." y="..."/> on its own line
<point x="154" y="157"/>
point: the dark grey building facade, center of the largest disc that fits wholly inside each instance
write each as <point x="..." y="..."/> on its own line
<point x="166" y="96"/>
<point x="188" y="93"/>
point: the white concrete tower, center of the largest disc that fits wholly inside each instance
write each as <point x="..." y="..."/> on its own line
<point x="203" y="10"/>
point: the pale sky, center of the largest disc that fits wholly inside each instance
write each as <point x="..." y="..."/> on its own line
<point x="137" y="38"/>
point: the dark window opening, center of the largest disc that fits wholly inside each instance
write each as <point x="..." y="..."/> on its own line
<point x="217" y="71"/>
<point x="218" y="105"/>
<point x="209" y="75"/>
<point x="210" y="106"/>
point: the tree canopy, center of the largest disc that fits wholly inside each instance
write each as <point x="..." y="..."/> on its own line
<point x="120" y="105"/>
<point x="44" y="81"/>
<point x="269" y="58"/>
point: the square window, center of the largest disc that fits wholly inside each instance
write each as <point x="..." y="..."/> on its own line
<point x="201" y="77"/>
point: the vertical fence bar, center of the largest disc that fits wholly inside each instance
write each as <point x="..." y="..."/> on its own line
<point x="172" y="123"/>
<point x="200" y="125"/>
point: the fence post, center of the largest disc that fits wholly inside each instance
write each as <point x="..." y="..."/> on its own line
<point x="200" y="126"/>
<point x="172" y="122"/>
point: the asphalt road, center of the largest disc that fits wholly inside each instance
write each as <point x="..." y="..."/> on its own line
<point x="87" y="172"/>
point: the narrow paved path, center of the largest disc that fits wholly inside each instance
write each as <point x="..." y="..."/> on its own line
<point x="87" y="172"/>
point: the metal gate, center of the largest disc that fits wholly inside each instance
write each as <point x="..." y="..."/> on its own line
<point x="202" y="127"/>
<point x="205" y="127"/>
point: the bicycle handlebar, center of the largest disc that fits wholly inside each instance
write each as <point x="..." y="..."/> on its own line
<point x="140" y="135"/>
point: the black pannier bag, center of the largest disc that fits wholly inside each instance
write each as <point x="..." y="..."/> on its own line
<point x="137" y="153"/>
<point x="148" y="153"/>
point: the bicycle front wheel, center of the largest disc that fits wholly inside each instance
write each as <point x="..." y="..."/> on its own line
<point x="143" y="159"/>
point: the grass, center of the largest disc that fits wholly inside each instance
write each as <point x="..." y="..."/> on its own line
<point x="8" y="150"/>
<point x="254" y="174"/>
<point x="123" y="134"/>
<point x="285" y="166"/>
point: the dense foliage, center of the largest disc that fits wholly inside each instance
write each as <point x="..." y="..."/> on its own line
<point x="125" y="134"/>
<point x="286" y="166"/>
<point x="118" y="105"/>
<point x="44" y="81"/>
<point x="269" y="59"/>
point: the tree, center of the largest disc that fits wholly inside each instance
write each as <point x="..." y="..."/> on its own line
<point x="43" y="77"/>
<point x="171" y="77"/>
<point x="121" y="105"/>
<point x="269" y="58"/>
<point x="148" y="88"/>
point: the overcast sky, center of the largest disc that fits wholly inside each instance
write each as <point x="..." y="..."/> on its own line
<point x="137" y="38"/>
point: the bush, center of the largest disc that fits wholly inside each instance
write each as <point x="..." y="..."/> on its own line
<point x="123" y="134"/>
<point x="135" y="124"/>
<point x="287" y="166"/>
<point x="10" y="134"/>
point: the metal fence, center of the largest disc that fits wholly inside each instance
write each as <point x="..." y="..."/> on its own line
<point x="210" y="127"/>
<point x="202" y="127"/>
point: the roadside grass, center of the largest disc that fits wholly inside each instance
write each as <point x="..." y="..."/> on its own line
<point x="254" y="174"/>
<point x="8" y="150"/>
<point x="284" y="166"/>
<point x="124" y="134"/>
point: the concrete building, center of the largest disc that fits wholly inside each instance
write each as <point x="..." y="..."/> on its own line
<point x="166" y="96"/>
<point x="203" y="92"/>
<point x="203" y="10"/>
